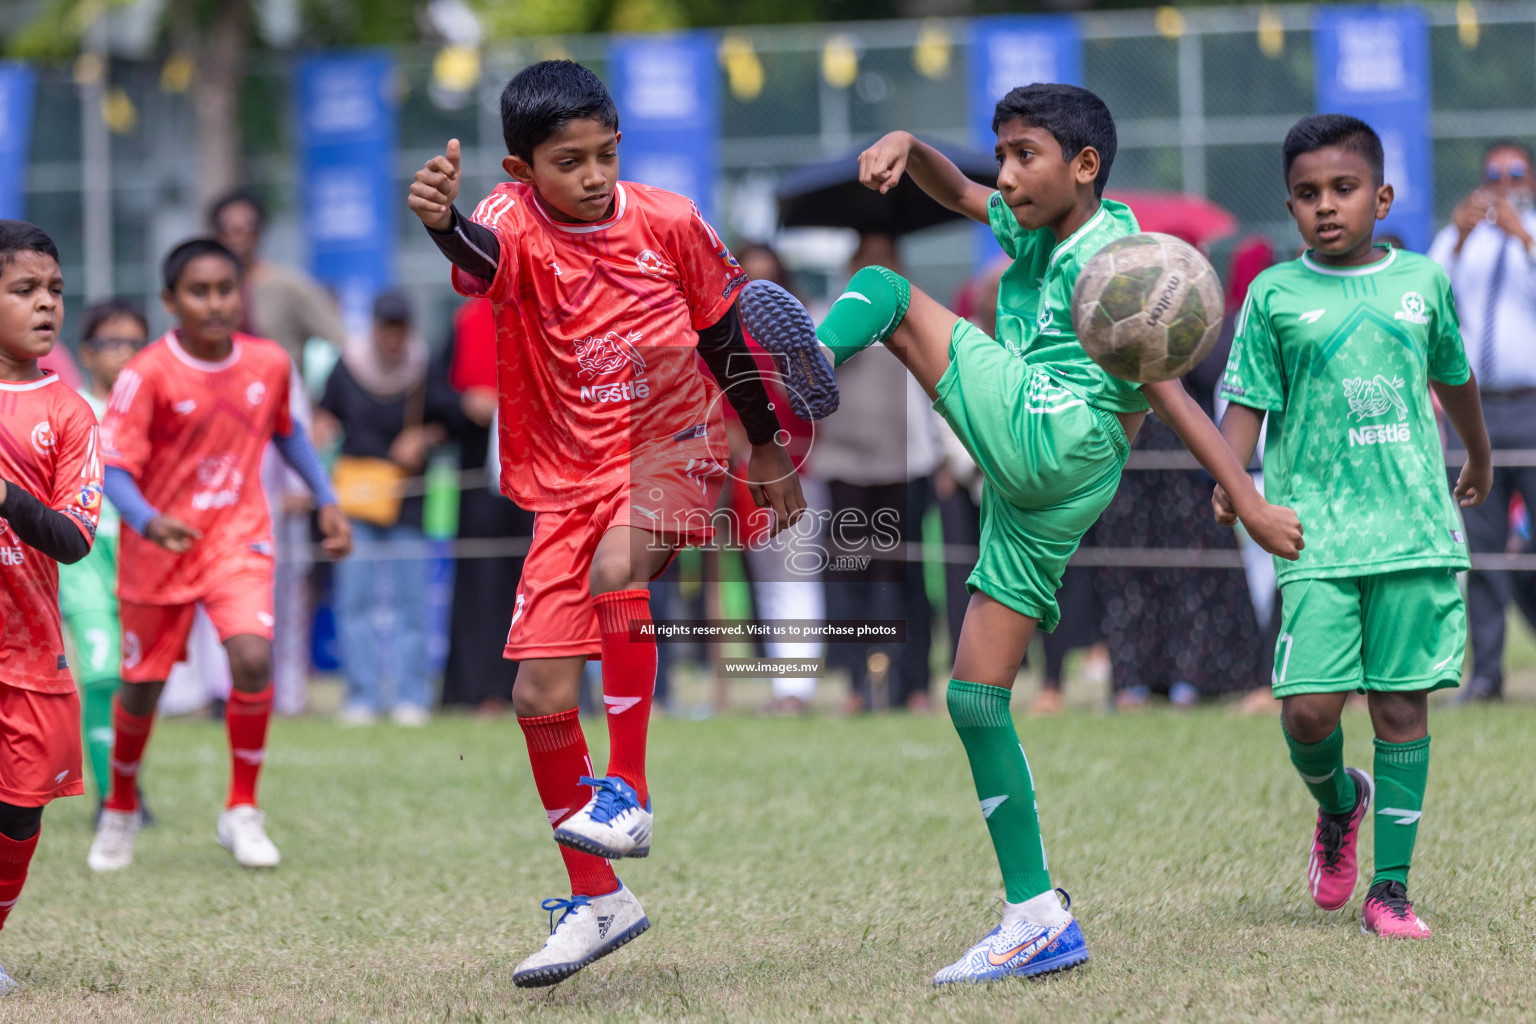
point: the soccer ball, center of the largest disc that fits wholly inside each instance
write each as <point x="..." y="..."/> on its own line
<point x="1147" y="307"/>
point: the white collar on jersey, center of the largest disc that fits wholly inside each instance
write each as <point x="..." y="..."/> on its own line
<point x="620" y="194"/>
<point x="47" y="378"/>
<point x="174" y="344"/>
<point x="1370" y="268"/>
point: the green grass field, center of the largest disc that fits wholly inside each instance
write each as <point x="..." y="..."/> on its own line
<point x="815" y="869"/>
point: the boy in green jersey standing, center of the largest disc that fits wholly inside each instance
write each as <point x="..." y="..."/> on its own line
<point x="1341" y="348"/>
<point x="1049" y="428"/>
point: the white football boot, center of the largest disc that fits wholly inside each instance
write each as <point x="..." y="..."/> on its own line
<point x="612" y="824"/>
<point x="591" y="928"/>
<point x="112" y="849"/>
<point x="1038" y="936"/>
<point x="240" y="832"/>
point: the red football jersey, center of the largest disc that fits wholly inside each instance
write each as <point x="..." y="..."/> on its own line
<point x="192" y="434"/>
<point x="48" y="448"/>
<point x="596" y="338"/>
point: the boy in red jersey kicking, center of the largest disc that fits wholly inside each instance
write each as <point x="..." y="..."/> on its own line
<point x="606" y="293"/>
<point x="50" y="498"/>
<point x="183" y="436"/>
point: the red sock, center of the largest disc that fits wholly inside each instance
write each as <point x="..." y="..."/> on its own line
<point x="130" y="734"/>
<point x="14" y="858"/>
<point x="246" y="717"/>
<point x="558" y="751"/>
<point x="629" y="682"/>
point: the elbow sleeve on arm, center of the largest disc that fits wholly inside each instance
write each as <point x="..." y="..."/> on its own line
<point x="125" y="496"/>
<point x="47" y="530"/>
<point x="471" y="247"/>
<point x="724" y="349"/>
<point x="297" y="451"/>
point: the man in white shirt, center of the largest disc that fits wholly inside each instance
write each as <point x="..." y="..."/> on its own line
<point x="1489" y="252"/>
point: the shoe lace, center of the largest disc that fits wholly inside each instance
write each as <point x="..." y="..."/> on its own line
<point x="1330" y="836"/>
<point x="1394" y="897"/>
<point x="570" y="907"/>
<point x="610" y="798"/>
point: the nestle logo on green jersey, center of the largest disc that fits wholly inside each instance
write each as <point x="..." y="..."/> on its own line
<point x="1369" y="399"/>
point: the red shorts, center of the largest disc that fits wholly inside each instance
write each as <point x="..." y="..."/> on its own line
<point x="155" y="635"/>
<point x="39" y="746"/>
<point x="672" y="494"/>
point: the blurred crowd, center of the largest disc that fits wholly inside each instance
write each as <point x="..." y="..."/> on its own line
<point x="417" y="618"/>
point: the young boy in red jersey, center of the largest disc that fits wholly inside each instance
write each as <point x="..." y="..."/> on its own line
<point x="50" y="497"/>
<point x="183" y="436"/>
<point x="605" y="294"/>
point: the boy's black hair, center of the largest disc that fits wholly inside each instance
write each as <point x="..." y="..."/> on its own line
<point x="232" y="197"/>
<point x="100" y="312"/>
<point x="543" y="98"/>
<point x="176" y="261"/>
<point x="1075" y="118"/>
<point x="23" y="236"/>
<point x="1514" y="144"/>
<point x="1320" y="131"/>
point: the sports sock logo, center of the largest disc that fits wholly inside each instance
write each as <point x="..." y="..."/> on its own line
<point x="250" y="756"/>
<point x="554" y="814"/>
<point x="1403" y="815"/>
<point x="991" y="804"/>
<point x="1316" y="780"/>
<point x="619" y="705"/>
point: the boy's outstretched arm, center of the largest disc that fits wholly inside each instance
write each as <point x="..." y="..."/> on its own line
<point x="1240" y="427"/>
<point x="471" y="247"/>
<point x="881" y="166"/>
<point x="1464" y="408"/>
<point x="1275" y="528"/>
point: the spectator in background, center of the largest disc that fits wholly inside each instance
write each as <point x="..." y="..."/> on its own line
<point x="484" y="589"/>
<point x="779" y="592"/>
<point x="1489" y="252"/>
<point x="282" y="303"/>
<point x="1185" y="632"/>
<point x="390" y="412"/>
<point x="876" y="454"/>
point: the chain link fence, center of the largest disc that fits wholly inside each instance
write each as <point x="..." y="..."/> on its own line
<point x="1202" y="98"/>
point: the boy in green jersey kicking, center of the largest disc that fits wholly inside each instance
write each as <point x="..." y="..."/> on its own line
<point x="111" y="333"/>
<point x="1048" y="427"/>
<point x="1341" y="348"/>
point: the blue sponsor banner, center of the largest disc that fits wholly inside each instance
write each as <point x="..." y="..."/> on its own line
<point x="346" y="121"/>
<point x="668" y="91"/>
<point x="18" y="88"/>
<point x="1007" y="51"/>
<point x="1373" y="63"/>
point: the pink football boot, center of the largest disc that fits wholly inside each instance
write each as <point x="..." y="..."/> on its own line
<point x="1333" y="868"/>
<point x="1388" y="912"/>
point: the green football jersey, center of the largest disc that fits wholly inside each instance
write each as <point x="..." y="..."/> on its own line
<point x="1034" y="301"/>
<point x="1342" y="359"/>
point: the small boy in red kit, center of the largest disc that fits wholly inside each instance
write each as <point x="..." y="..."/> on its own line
<point x="50" y="498"/>
<point x="605" y="293"/>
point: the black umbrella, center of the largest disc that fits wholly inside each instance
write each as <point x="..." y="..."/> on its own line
<point x="828" y="195"/>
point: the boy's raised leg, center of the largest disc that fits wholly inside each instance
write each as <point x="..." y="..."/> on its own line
<point x="1037" y="935"/>
<point x="878" y="305"/>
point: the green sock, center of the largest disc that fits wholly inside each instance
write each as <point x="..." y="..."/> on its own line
<point x="1402" y="769"/>
<point x="96" y="726"/>
<point x="1321" y="767"/>
<point x="867" y="312"/>
<point x="1003" y="784"/>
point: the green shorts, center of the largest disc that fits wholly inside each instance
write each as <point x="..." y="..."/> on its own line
<point x="1390" y="632"/>
<point x="88" y="600"/>
<point x="1051" y="461"/>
